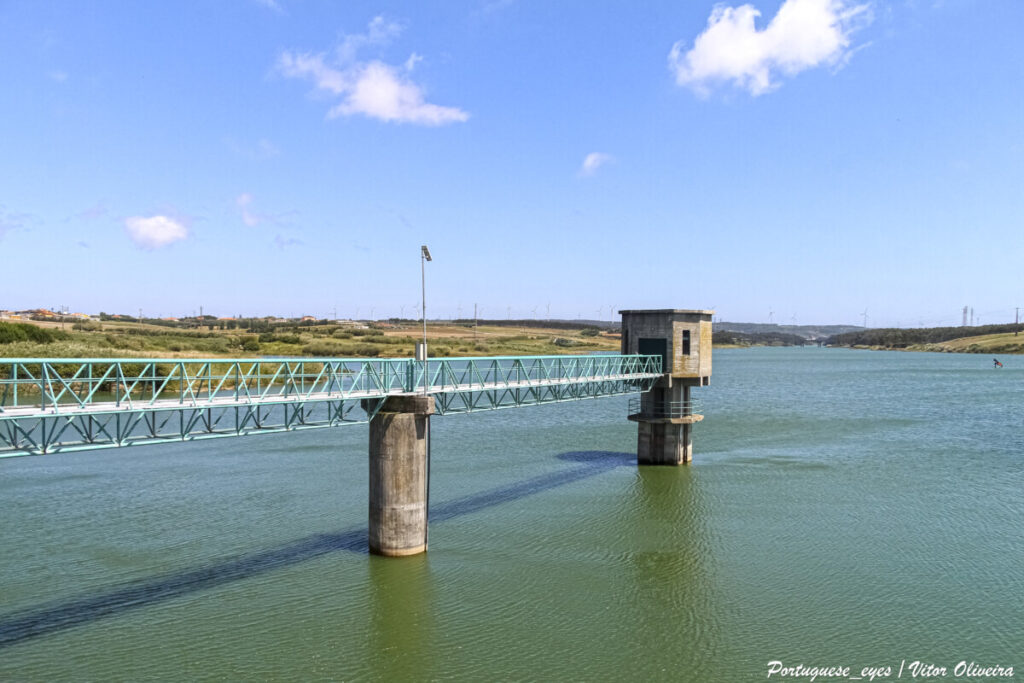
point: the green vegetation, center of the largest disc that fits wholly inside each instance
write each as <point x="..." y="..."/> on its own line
<point x="988" y="344"/>
<point x="119" y="339"/>
<point x="11" y="333"/>
<point x="932" y="338"/>
<point x="730" y="338"/>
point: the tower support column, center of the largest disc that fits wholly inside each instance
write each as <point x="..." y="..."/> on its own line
<point x="663" y="443"/>
<point x="665" y="425"/>
<point x="399" y="443"/>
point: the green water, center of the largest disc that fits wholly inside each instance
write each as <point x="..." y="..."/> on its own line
<point x="844" y="508"/>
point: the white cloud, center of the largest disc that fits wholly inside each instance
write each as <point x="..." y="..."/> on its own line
<point x="803" y="34"/>
<point x="248" y="217"/>
<point x="58" y="76"/>
<point x="371" y="88"/>
<point x="381" y="92"/>
<point x="594" y="161"/>
<point x="378" y="32"/>
<point x="154" y="232"/>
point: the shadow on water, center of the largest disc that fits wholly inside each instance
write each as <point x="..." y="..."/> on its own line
<point x="52" y="618"/>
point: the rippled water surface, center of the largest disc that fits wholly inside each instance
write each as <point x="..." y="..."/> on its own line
<point x="844" y="507"/>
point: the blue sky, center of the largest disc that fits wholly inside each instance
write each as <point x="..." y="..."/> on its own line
<point x="809" y="158"/>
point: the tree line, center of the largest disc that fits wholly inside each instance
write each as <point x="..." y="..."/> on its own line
<point x="899" y="338"/>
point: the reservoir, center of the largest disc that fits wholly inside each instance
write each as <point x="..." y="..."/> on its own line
<point x="844" y="508"/>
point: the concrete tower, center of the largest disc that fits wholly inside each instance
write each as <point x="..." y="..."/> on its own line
<point x="665" y="415"/>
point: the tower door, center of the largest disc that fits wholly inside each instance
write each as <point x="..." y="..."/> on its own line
<point x="654" y="347"/>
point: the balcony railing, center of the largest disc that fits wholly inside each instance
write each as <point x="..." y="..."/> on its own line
<point x="660" y="410"/>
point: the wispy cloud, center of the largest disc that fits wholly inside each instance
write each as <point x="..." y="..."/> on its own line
<point x="494" y="6"/>
<point x="372" y="88"/>
<point x="379" y="32"/>
<point x="803" y="34"/>
<point x="282" y="242"/>
<point x="594" y="161"/>
<point x="248" y="217"/>
<point x="271" y="4"/>
<point x="260" y="150"/>
<point x="58" y="76"/>
<point x="252" y="218"/>
<point x="10" y="221"/>
<point x="97" y="210"/>
<point x="154" y="232"/>
<point x="413" y="60"/>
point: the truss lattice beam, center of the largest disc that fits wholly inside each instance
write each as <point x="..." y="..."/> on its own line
<point x="49" y="405"/>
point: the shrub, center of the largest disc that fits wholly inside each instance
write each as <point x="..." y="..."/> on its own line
<point x="16" y="332"/>
<point x="251" y="345"/>
<point x="323" y="347"/>
<point x="283" y="338"/>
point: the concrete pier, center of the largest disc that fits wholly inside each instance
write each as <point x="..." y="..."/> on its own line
<point x="665" y="436"/>
<point x="399" y="439"/>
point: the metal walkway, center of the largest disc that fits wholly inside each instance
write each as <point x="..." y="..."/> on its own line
<point x="55" y="405"/>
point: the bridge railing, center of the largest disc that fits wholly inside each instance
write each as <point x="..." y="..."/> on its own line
<point x="62" y="404"/>
<point x="64" y="384"/>
<point x="448" y="374"/>
<point x="471" y="384"/>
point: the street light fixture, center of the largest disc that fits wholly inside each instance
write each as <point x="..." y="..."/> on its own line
<point x="424" y="257"/>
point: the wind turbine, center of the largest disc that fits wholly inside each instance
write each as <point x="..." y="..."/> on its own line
<point x="533" y="312"/>
<point x="865" y="315"/>
<point x="771" y="313"/>
<point x="548" y="310"/>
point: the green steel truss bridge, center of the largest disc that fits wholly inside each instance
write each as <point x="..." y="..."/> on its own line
<point x="56" y="405"/>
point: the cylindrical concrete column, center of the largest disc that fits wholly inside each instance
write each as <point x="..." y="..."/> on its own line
<point x="663" y="443"/>
<point x="399" y="435"/>
<point x="665" y="426"/>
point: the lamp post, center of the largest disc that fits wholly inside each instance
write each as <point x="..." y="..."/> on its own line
<point x="424" y="257"/>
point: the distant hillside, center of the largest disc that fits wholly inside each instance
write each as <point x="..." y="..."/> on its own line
<point x="757" y="333"/>
<point x="545" y="324"/>
<point x="809" y="332"/>
<point x="730" y="338"/>
<point x="901" y="338"/>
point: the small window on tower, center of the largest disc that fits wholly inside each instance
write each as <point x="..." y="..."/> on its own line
<point x="686" y="342"/>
